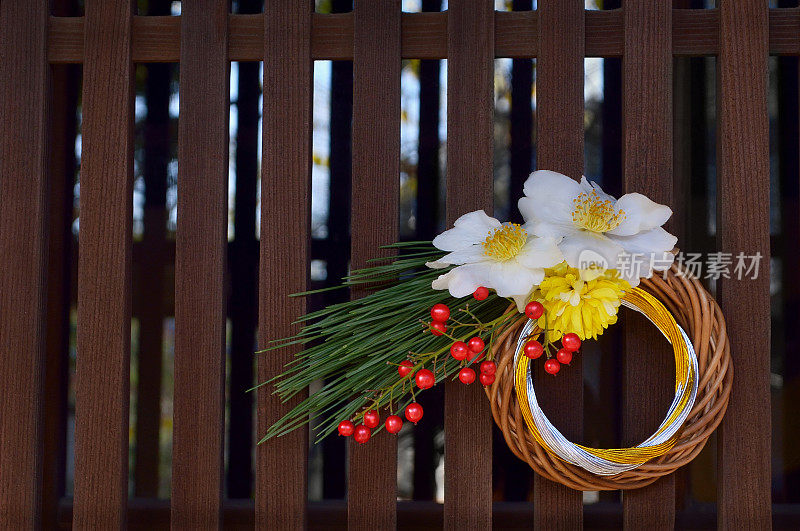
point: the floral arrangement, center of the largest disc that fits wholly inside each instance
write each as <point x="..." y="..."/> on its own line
<point x="442" y="305"/>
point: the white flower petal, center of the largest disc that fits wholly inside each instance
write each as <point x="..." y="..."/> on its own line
<point x="442" y="281"/>
<point x="584" y="248"/>
<point x="437" y="264"/>
<point x="463" y="280"/>
<point x="655" y="240"/>
<point x="539" y="253"/>
<point x="527" y="207"/>
<point x="552" y="193"/>
<point x="543" y="228"/>
<point x="469" y="229"/>
<point x="454" y="239"/>
<point x="641" y="214"/>
<point x="468" y="255"/>
<point x="511" y="278"/>
<point x="592" y="186"/>
<point x="630" y="275"/>
<point x="646" y="251"/>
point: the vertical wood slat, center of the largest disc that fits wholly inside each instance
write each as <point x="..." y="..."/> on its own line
<point x="372" y="485"/>
<point x="372" y="482"/>
<point x="559" y="119"/>
<point x="243" y="274"/>
<point x="281" y="492"/>
<point x="104" y="268"/>
<point x="470" y="129"/>
<point x="647" y="169"/>
<point x="521" y="123"/>
<point x="200" y="247"/>
<point x="63" y="123"/>
<point x="334" y="448"/>
<point x="24" y="74"/>
<point x="151" y="280"/>
<point x="743" y="484"/>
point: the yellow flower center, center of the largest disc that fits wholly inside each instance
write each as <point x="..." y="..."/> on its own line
<point x="504" y="243"/>
<point x="595" y="214"/>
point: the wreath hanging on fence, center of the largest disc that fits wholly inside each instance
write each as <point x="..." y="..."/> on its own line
<point x="500" y="297"/>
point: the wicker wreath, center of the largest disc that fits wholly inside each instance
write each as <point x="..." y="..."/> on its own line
<point x="700" y="316"/>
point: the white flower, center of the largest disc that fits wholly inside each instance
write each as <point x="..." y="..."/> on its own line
<point x="503" y="257"/>
<point x="594" y="227"/>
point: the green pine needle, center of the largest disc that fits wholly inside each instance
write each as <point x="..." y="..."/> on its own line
<point x="355" y="346"/>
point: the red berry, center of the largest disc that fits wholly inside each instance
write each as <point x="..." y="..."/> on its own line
<point x="466" y="375"/>
<point x="488" y="367"/>
<point x="552" y="366"/>
<point x="534" y="310"/>
<point x="459" y="350"/>
<point x="425" y="379"/>
<point x="476" y="344"/>
<point x="362" y="434"/>
<point x="438" y="328"/>
<point x="393" y="423"/>
<point x="564" y="356"/>
<point x="571" y="342"/>
<point x="413" y="412"/>
<point x="486" y="379"/>
<point x="481" y="293"/>
<point x="533" y="349"/>
<point x="406" y="367"/>
<point x="477" y="358"/>
<point x="440" y="312"/>
<point x="346" y="428"/>
<point x="372" y="419"/>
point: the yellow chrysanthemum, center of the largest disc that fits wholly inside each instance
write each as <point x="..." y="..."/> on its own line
<point x="584" y="302"/>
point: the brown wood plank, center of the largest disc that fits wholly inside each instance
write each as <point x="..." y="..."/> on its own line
<point x="649" y="372"/>
<point x="470" y="129"/>
<point x="104" y="268"/>
<point x="331" y="515"/>
<point x="24" y="140"/>
<point x="63" y="122"/>
<point x="65" y="39"/>
<point x="285" y="229"/>
<point x="743" y="476"/>
<point x="784" y="31"/>
<point x="243" y="277"/>
<point x="695" y="32"/>
<point x="559" y="119"/>
<point x="150" y="283"/>
<point x="516" y="34"/>
<point x="603" y="33"/>
<point x="372" y="484"/>
<point x="200" y="246"/>
<point x="332" y="36"/>
<point x="424" y="35"/>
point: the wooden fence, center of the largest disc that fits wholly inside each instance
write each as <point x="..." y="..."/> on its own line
<point x="109" y="39"/>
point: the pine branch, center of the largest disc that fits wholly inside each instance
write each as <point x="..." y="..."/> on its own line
<point x="356" y="346"/>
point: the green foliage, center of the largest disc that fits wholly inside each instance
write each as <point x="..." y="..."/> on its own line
<point x="356" y="346"/>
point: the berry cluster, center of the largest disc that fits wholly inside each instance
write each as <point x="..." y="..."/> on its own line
<point x="570" y="343"/>
<point x="372" y="419"/>
<point x="465" y="352"/>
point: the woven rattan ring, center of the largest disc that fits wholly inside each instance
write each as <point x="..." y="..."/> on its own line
<point x="700" y="316"/>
